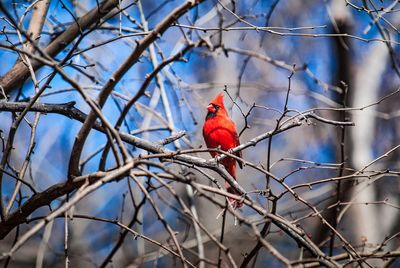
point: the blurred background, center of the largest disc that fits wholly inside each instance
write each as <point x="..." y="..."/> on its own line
<point x="337" y="59"/>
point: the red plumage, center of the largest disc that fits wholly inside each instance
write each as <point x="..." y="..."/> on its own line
<point x="220" y="131"/>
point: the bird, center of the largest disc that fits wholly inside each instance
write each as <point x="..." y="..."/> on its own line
<point x="219" y="131"/>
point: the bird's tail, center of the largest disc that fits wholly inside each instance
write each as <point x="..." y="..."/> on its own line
<point x="235" y="203"/>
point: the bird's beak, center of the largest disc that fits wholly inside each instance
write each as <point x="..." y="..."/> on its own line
<point x="211" y="108"/>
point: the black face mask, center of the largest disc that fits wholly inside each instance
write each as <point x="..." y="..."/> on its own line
<point x="212" y="114"/>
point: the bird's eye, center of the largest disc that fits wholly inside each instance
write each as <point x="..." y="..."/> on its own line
<point x="216" y="106"/>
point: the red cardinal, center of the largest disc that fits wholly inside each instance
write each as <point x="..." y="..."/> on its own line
<point x="220" y="131"/>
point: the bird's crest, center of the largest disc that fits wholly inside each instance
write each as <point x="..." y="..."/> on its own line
<point x="219" y="100"/>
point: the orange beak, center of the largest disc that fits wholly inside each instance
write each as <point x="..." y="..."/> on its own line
<point x="211" y="108"/>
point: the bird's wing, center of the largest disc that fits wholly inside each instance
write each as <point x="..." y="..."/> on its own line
<point x="232" y="129"/>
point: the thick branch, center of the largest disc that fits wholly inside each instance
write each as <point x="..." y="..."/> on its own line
<point x="37" y="20"/>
